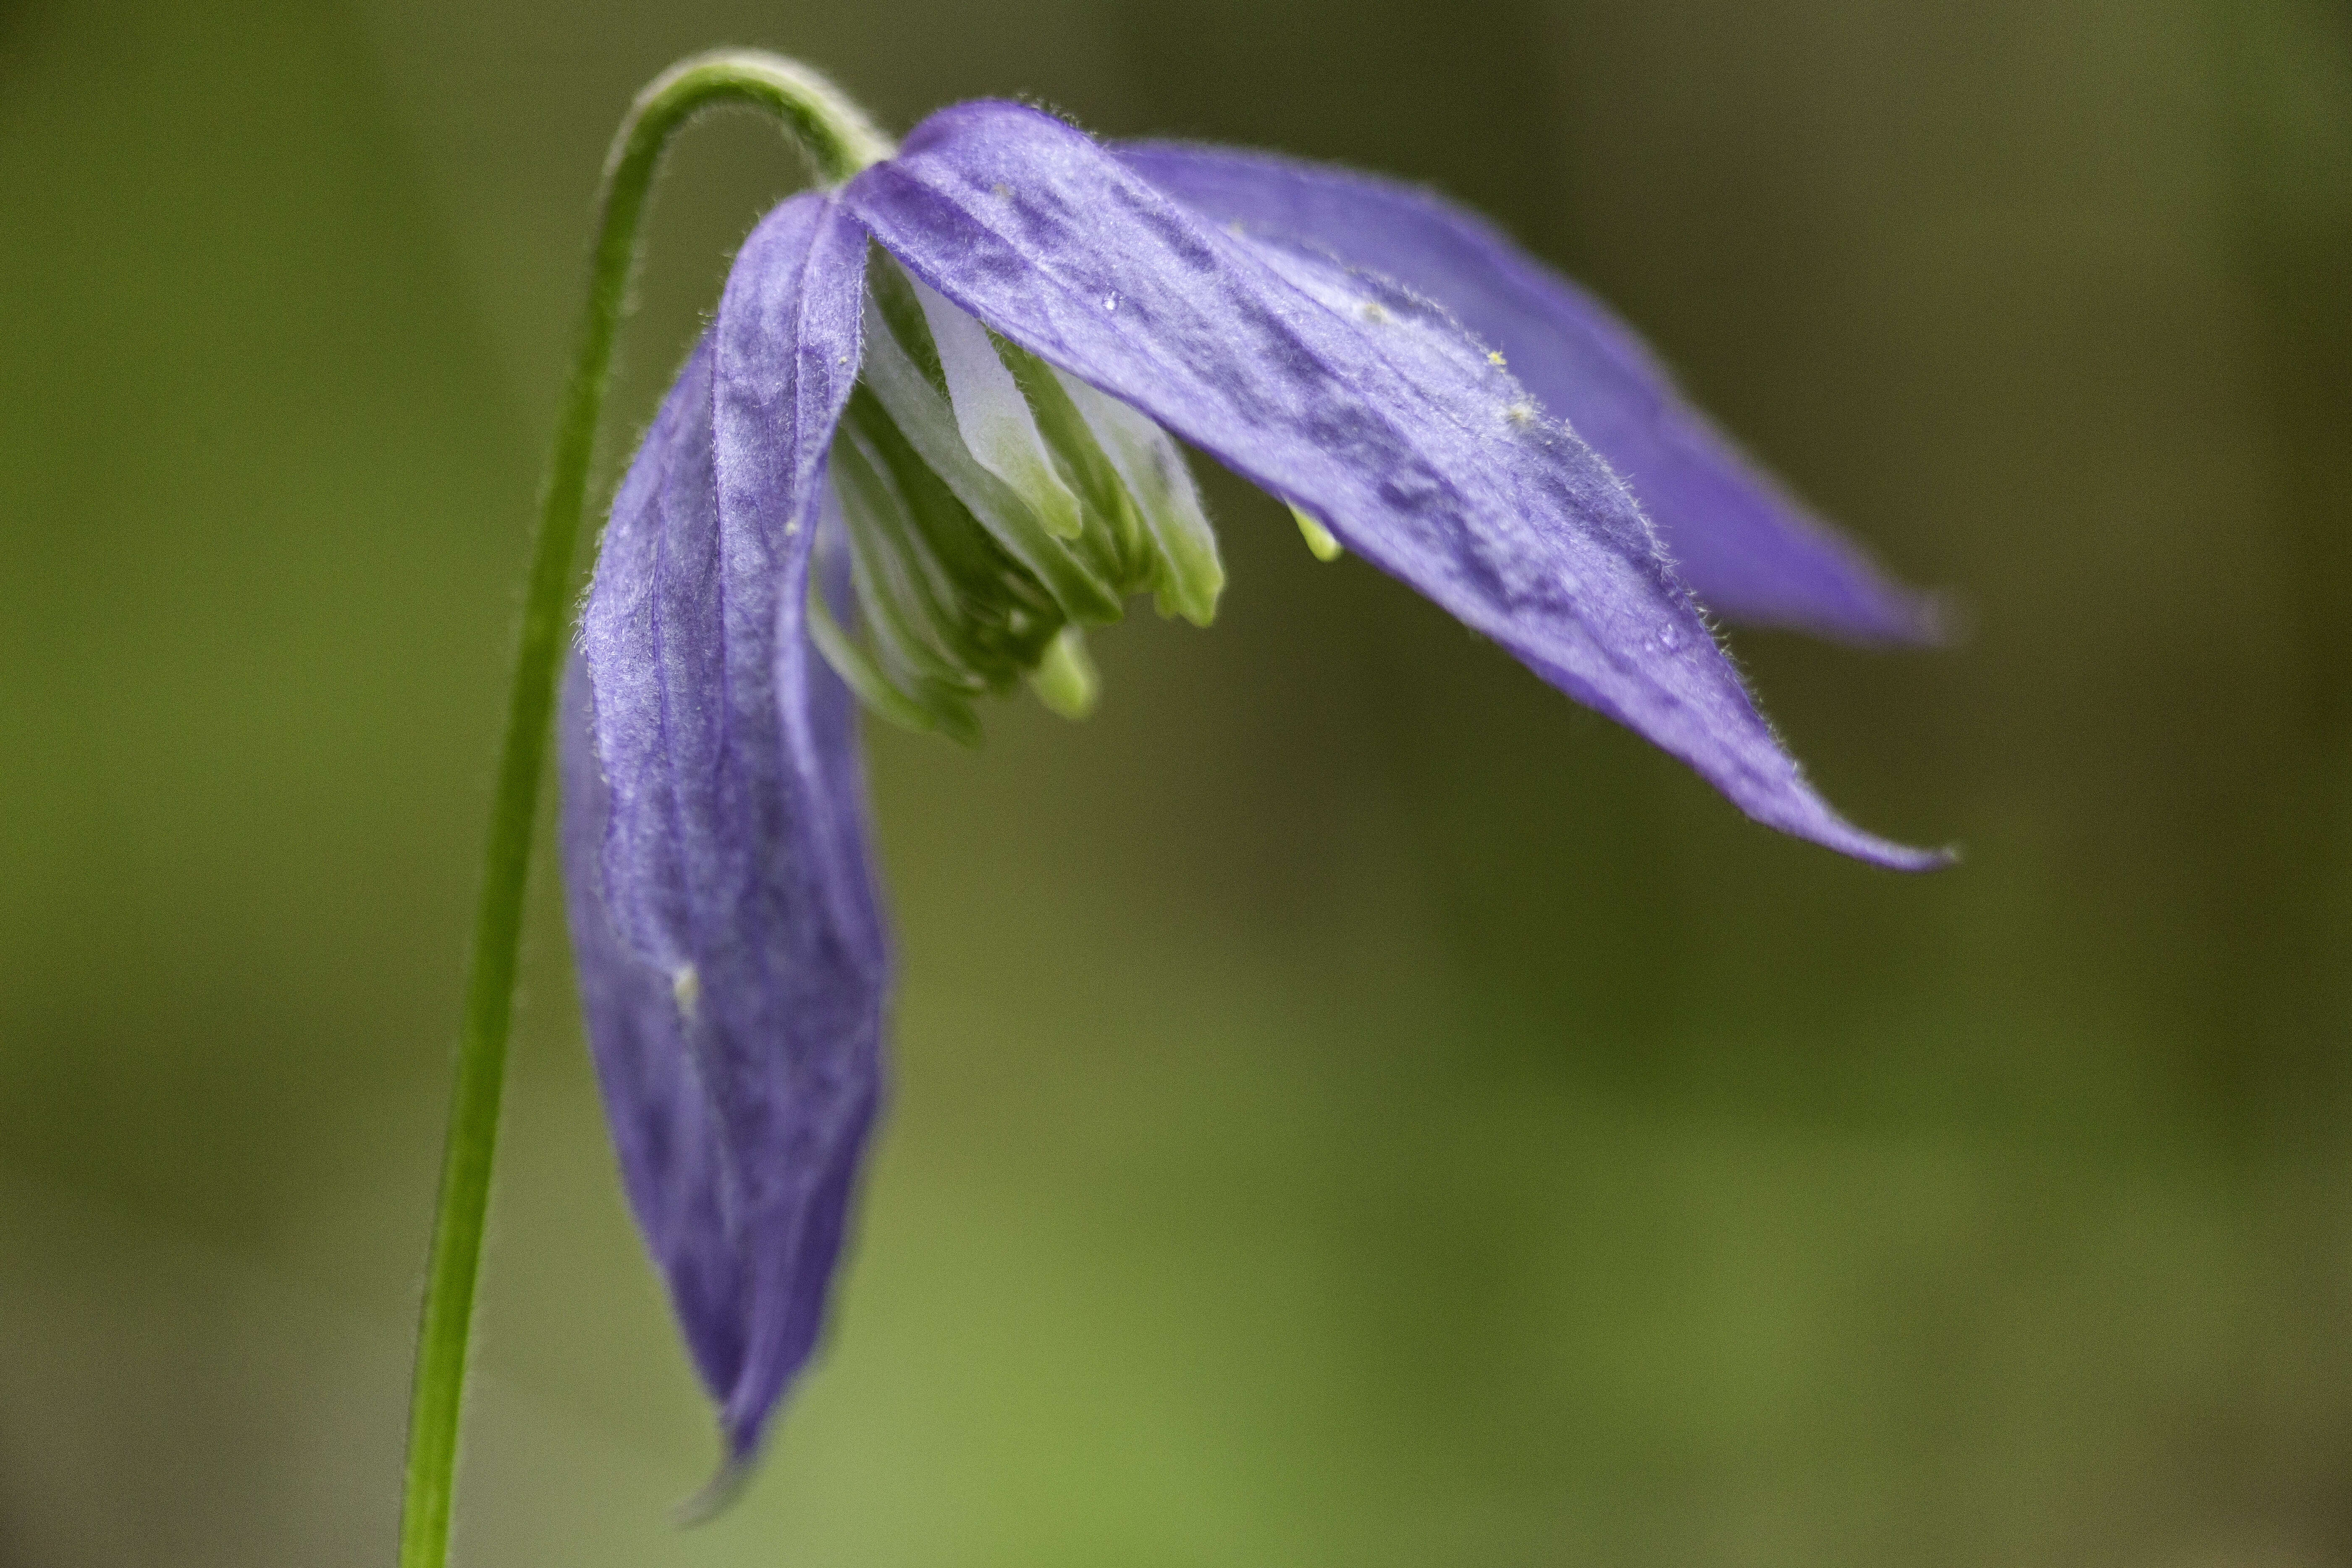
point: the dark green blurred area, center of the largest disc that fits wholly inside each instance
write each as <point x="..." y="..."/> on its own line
<point x="1352" y="1107"/>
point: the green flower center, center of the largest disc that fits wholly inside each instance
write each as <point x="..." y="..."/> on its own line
<point x="990" y="507"/>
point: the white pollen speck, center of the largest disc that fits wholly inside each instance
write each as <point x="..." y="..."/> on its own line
<point x="685" y="986"/>
<point x="1111" y="301"/>
<point x="1523" y="412"/>
<point x="1372" y="311"/>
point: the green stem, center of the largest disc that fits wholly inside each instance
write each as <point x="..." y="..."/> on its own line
<point x="839" y="142"/>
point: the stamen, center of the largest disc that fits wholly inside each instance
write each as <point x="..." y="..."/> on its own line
<point x="1064" y="680"/>
<point x="997" y="425"/>
<point x="988" y="504"/>
<point x="885" y="546"/>
<point x="1189" y="577"/>
<point x="922" y="413"/>
<point x="862" y="676"/>
<point x="991" y="588"/>
<point x="1114" y="532"/>
<point x="1319" y="541"/>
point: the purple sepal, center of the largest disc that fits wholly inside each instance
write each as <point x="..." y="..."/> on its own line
<point x="1350" y="398"/>
<point x="664" y="1127"/>
<point x="1748" y="549"/>
<point x="735" y="967"/>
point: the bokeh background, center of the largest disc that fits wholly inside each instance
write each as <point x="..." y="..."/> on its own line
<point x="1352" y="1107"/>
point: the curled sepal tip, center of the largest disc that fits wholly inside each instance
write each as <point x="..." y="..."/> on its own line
<point x="717" y="1494"/>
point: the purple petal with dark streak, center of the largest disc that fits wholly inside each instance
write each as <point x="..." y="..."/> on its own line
<point x="664" y="1127"/>
<point x="1419" y="454"/>
<point x="734" y="867"/>
<point x="1748" y="549"/>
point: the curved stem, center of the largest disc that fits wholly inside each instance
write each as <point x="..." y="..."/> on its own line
<point x="839" y="140"/>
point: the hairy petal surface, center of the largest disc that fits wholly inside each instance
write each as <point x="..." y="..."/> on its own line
<point x="665" y="1128"/>
<point x="731" y="868"/>
<point x="1346" y="397"/>
<point x="1747" y="548"/>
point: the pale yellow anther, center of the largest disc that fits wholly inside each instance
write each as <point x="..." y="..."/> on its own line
<point x="1319" y="541"/>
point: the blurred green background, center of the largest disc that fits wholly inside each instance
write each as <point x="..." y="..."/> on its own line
<point x="1353" y="1108"/>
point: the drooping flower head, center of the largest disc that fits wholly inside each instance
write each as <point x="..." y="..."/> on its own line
<point x="926" y="440"/>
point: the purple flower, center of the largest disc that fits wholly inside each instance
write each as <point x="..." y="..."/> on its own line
<point x="913" y="479"/>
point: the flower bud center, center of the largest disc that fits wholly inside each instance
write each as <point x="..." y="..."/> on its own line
<point x="982" y="507"/>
